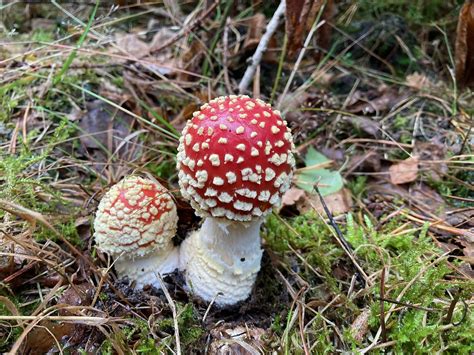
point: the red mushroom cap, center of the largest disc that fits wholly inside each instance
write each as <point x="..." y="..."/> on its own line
<point x="235" y="158"/>
<point x="136" y="216"/>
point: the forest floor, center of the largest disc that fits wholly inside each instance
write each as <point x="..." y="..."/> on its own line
<point x="90" y="94"/>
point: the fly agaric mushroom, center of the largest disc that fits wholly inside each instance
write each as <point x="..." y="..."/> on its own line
<point x="135" y="223"/>
<point x="235" y="161"/>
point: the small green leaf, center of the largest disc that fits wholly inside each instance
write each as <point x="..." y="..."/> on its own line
<point x="328" y="181"/>
<point x="313" y="157"/>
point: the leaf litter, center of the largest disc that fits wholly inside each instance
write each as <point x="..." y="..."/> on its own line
<point x="357" y="124"/>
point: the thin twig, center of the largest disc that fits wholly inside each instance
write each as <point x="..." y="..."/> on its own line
<point x="262" y="47"/>
<point x="452" y="306"/>
<point x="340" y="238"/>
<point x="408" y="305"/>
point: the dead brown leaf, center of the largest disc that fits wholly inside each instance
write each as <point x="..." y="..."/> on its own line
<point x="404" y="171"/>
<point x="428" y="198"/>
<point x="432" y="158"/>
<point x="464" y="54"/>
<point x="418" y="81"/>
<point x="291" y="196"/>
<point x="338" y="203"/>
<point x="43" y="339"/>
<point x="47" y="335"/>
<point x="375" y="103"/>
<point x="103" y="126"/>
<point x="190" y="60"/>
<point x="461" y="219"/>
<point x="133" y="45"/>
<point x="300" y="16"/>
<point x="425" y="199"/>
<point x="368" y="125"/>
<point x="368" y="161"/>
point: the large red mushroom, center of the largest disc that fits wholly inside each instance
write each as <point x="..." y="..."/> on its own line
<point x="235" y="161"/>
<point x="135" y="223"/>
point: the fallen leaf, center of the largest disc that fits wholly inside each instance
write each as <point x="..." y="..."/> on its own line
<point x="291" y="196"/>
<point x="418" y="81"/>
<point x="428" y="198"/>
<point x="367" y="125"/>
<point x="328" y="181"/>
<point x="79" y="295"/>
<point x="432" y="158"/>
<point x="385" y="100"/>
<point x="103" y="124"/>
<point x="404" y="171"/>
<point x="461" y="218"/>
<point x="131" y="44"/>
<point x="14" y="258"/>
<point x="42" y="339"/>
<point x="189" y="60"/>
<point x="337" y="203"/>
<point x="464" y="51"/>
<point x="366" y="162"/>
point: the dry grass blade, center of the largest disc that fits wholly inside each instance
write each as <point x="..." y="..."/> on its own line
<point x="76" y="319"/>
<point x="173" y="310"/>
<point x="32" y="217"/>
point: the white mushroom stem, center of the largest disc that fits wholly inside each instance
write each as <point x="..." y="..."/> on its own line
<point x="144" y="269"/>
<point x="222" y="259"/>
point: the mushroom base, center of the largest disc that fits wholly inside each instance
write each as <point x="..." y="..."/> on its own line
<point x="144" y="270"/>
<point x="222" y="260"/>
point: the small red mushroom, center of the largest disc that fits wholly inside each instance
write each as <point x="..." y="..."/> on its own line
<point x="135" y="223"/>
<point x="235" y="161"/>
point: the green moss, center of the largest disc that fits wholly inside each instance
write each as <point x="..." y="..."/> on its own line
<point x="310" y="237"/>
<point x="358" y="186"/>
<point x="409" y="255"/>
<point x="15" y="170"/>
<point x="42" y="36"/>
<point x="188" y="324"/>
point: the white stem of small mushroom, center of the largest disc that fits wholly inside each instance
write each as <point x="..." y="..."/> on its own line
<point x="222" y="259"/>
<point x="144" y="269"/>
